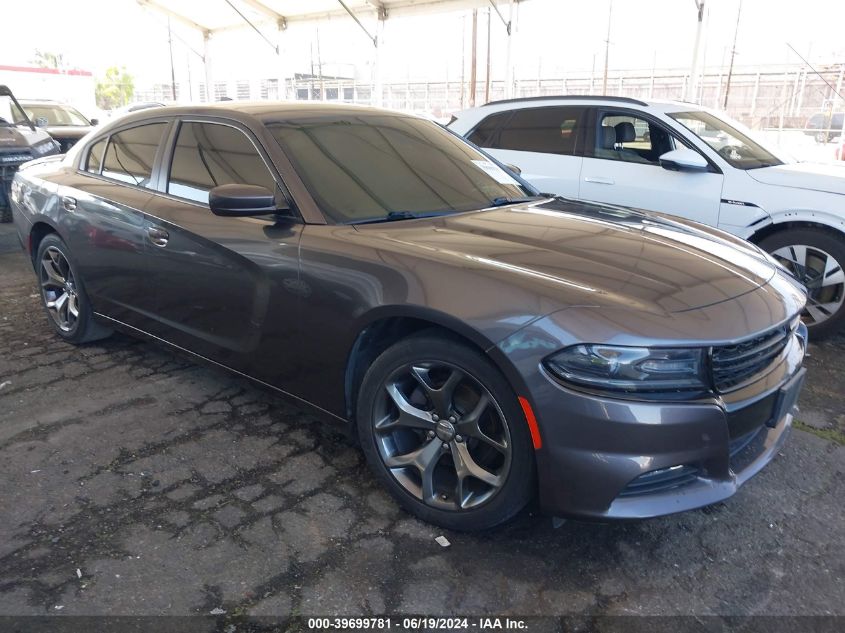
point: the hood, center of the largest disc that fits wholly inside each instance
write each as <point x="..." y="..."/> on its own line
<point x="19" y="138"/>
<point x="584" y="254"/>
<point x="815" y="176"/>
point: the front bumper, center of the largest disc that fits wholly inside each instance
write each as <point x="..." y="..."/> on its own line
<point x="605" y="458"/>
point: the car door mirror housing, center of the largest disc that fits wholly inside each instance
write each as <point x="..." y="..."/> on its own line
<point x="683" y="159"/>
<point x="94" y="121"/>
<point x="242" y="201"/>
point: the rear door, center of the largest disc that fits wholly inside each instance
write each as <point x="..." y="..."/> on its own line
<point x="545" y="143"/>
<point x="107" y="228"/>
<point x="221" y="283"/>
<point x="623" y="167"/>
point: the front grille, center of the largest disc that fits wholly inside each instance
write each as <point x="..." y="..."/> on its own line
<point x="661" y="480"/>
<point x="734" y="365"/>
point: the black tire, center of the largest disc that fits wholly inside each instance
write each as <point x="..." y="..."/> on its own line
<point x="82" y="328"/>
<point x="819" y="242"/>
<point x="485" y="505"/>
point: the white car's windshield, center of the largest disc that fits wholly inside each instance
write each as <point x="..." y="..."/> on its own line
<point x="731" y="144"/>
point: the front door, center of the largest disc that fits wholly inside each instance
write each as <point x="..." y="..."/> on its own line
<point x="221" y="283"/>
<point x="623" y="167"/>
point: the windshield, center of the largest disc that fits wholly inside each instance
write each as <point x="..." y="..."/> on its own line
<point x="44" y="115"/>
<point x="731" y="144"/>
<point x="10" y="114"/>
<point x="361" y="167"/>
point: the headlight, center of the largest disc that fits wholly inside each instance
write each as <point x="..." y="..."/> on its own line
<point x="16" y="192"/>
<point x="45" y="147"/>
<point x="630" y="369"/>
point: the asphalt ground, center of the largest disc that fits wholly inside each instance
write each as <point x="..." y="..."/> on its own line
<point x="135" y="482"/>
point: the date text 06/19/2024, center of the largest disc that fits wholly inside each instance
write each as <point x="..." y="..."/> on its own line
<point x="412" y="623"/>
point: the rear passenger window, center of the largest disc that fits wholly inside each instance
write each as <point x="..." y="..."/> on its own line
<point x="484" y="134"/>
<point x="210" y="154"/>
<point x="130" y="154"/>
<point x="549" y="130"/>
<point x="95" y="157"/>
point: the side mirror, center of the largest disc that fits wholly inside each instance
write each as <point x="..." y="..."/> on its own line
<point x="683" y="159"/>
<point x="241" y="201"/>
<point x="514" y="169"/>
<point x="95" y="122"/>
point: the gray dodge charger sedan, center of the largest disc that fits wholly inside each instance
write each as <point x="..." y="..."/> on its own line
<point x="483" y="343"/>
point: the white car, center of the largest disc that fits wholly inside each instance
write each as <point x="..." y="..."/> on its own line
<point x="685" y="160"/>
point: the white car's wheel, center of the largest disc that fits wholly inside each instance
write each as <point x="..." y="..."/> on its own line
<point x="817" y="258"/>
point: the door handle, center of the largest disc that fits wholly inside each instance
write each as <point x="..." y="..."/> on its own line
<point x="158" y="236"/>
<point x="600" y="180"/>
<point x="69" y="203"/>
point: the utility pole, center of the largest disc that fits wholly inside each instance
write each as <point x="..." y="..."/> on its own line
<point x="320" y="68"/>
<point x="487" y="75"/>
<point x="733" y="54"/>
<point x="693" y="75"/>
<point x="172" y="71"/>
<point x="463" y="59"/>
<point x="473" y="62"/>
<point x="607" y="48"/>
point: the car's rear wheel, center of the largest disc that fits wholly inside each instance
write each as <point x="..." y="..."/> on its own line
<point x="817" y="258"/>
<point x="442" y="429"/>
<point x="63" y="294"/>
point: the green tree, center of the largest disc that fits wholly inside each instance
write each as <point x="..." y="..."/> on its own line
<point x="46" y="59"/>
<point x="115" y="89"/>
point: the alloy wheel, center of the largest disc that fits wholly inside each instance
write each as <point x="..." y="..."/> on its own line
<point x="821" y="274"/>
<point x="442" y="436"/>
<point x="58" y="289"/>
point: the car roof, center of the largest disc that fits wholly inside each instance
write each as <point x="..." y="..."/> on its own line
<point x="661" y="105"/>
<point x="264" y="111"/>
<point x="41" y="101"/>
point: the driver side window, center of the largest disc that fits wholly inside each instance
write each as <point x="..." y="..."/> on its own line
<point x="211" y="154"/>
<point x="629" y="138"/>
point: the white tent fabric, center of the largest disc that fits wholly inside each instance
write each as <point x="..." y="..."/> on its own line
<point x="216" y="16"/>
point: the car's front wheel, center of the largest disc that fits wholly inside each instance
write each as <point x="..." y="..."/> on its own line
<point x="63" y="294"/>
<point x="443" y="430"/>
<point x="817" y="258"/>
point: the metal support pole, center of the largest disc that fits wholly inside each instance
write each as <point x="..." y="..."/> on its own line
<point x="733" y="54"/>
<point x="284" y="73"/>
<point x="489" y="61"/>
<point x="693" y="75"/>
<point x="473" y="69"/>
<point x="172" y="70"/>
<point x="509" y="56"/>
<point x="206" y="60"/>
<point x="607" y="48"/>
<point x="378" y="98"/>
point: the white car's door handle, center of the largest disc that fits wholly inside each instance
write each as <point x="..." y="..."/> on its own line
<point x="599" y="180"/>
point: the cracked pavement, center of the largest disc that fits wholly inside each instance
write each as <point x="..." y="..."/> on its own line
<point x="135" y="482"/>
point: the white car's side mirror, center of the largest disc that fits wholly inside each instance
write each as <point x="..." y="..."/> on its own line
<point x="683" y="159"/>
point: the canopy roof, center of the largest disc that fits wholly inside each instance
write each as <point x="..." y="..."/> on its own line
<point x="211" y="16"/>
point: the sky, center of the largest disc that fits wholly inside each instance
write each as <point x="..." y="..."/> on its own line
<point x="554" y="38"/>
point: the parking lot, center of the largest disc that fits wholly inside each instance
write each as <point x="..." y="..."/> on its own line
<point x="137" y="482"/>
